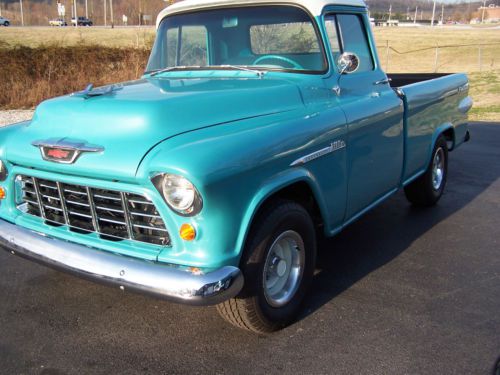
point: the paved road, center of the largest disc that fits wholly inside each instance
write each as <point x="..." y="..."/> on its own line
<point x="402" y="291"/>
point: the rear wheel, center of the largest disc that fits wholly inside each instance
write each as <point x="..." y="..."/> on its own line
<point x="427" y="189"/>
<point x="278" y="265"/>
<point x="7" y="23"/>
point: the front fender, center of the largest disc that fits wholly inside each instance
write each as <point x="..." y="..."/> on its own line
<point x="5" y="132"/>
<point x="274" y="185"/>
<point x="237" y="166"/>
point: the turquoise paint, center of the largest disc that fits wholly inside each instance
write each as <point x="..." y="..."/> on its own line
<point x="353" y="218"/>
<point x="432" y="107"/>
<point x="375" y="130"/>
<point x="235" y="136"/>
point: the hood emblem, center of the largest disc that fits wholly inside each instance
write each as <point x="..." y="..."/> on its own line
<point x="64" y="150"/>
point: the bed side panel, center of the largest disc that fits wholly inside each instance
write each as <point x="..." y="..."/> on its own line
<point x="433" y="106"/>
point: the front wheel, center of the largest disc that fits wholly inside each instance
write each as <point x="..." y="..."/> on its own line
<point x="426" y="190"/>
<point x="278" y="264"/>
<point x="6" y="23"/>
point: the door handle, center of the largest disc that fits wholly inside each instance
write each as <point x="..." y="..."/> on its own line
<point x="383" y="81"/>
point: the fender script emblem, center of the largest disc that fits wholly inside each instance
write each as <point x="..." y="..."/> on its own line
<point x="334" y="146"/>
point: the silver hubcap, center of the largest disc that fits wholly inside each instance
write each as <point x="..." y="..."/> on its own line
<point x="284" y="268"/>
<point x="438" y="169"/>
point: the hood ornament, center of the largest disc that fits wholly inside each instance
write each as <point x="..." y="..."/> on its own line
<point x="89" y="91"/>
<point x="64" y="151"/>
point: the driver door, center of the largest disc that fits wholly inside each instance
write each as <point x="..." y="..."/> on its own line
<point x="374" y="115"/>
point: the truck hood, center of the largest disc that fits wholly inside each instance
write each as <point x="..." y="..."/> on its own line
<point x="128" y="122"/>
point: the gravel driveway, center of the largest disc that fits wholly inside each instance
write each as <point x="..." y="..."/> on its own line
<point x="10" y="117"/>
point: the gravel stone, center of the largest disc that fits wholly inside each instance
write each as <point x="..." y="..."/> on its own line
<point x="11" y="117"/>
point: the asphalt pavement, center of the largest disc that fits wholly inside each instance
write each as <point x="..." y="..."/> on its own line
<point x="401" y="291"/>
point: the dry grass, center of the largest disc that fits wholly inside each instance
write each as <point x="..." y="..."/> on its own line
<point x="43" y="62"/>
<point x="485" y="89"/>
<point x="452" y="59"/>
<point x="30" y="75"/>
<point x="124" y="37"/>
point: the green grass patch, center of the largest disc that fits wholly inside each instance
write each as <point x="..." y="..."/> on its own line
<point x="491" y="113"/>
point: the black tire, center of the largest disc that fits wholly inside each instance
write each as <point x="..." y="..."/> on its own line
<point x="425" y="191"/>
<point x="251" y="309"/>
<point x="6" y="23"/>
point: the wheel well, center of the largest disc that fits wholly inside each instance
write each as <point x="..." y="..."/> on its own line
<point x="449" y="135"/>
<point x="299" y="192"/>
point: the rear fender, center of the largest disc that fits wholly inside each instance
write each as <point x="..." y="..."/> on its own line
<point x="437" y="133"/>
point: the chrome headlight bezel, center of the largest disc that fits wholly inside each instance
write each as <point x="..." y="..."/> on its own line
<point x="4" y="173"/>
<point x="169" y="185"/>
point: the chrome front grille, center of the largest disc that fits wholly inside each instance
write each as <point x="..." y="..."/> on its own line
<point x="113" y="215"/>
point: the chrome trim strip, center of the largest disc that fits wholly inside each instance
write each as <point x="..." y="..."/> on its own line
<point x="463" y="87"/>
<point x="63" y="203"/>
<point x="334" y="146"/>
<point x="450" y="93"/>
<point x="126" y="215"/>
<point x="39" y="197"/>
<point x="160" y="280"/>
<point x="95" y="220"/>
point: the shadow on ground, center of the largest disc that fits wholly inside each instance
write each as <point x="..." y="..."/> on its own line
<point x="388" y="230"/>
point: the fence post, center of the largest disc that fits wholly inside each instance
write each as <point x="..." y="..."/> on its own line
<point x="436" y="61"/>
<point x="387" y="55"/>
<point x="480" y="57"/>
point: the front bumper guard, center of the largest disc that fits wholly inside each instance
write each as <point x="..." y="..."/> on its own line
<point x="156" y="279"/>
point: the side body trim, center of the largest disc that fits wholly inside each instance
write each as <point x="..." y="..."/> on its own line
<point x="334" y="146"/>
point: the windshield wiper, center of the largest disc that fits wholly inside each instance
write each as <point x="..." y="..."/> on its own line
<point x="259" y="73"/>
<point x="173" y="68"/>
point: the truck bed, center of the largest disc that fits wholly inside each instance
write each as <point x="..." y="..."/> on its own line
<point x="434" y="103"/>
<point x="403" y="79"/>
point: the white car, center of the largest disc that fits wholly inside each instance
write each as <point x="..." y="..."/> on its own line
<point x="58" y="22"/>
<point x="4" y="21"/>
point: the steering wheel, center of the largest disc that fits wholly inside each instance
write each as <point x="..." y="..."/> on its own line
<point x="294" y="64"/>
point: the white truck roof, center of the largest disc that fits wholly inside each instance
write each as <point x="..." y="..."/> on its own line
<point x="315" y="7"/>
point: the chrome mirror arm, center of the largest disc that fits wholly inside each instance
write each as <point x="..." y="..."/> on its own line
<point x="347" y="63"/>
<point x="342" y="70"/>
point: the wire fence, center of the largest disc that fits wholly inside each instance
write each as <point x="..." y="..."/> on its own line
<point x="441" y="58"/>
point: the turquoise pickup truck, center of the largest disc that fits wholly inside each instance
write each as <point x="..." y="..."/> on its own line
<point x="257" y="127"/>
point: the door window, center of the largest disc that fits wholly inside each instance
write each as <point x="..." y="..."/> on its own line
<point x="352" y="38"/>
<point x="331" y="31"/>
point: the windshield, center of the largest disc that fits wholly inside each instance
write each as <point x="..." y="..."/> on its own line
<point x="262" y="38"/>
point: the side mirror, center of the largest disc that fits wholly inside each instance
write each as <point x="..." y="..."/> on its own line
<point x="347" y="63"/>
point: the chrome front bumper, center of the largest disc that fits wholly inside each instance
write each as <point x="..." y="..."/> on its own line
<point x="152" y="278"/>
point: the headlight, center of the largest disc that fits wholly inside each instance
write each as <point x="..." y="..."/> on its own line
<point x="179" y="193"/>
<point x="3" y="171"/>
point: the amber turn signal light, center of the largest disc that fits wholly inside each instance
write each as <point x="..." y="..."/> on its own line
<point x="187" y="232"/>
<point x="2" y="193"/>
